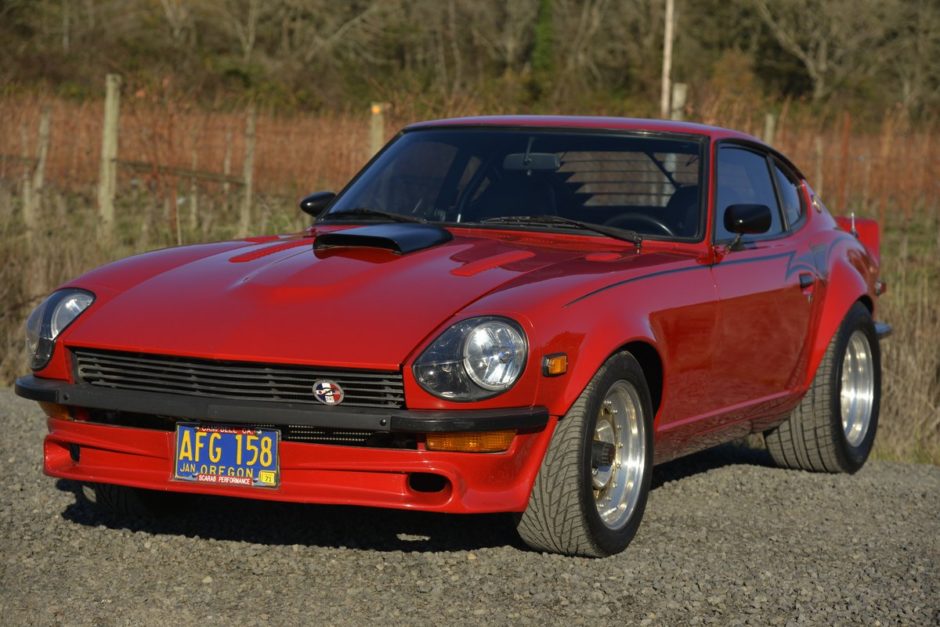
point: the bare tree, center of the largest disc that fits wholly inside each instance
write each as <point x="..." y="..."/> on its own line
<point x="239" y="18"/>
<point x="331" y="28"/>
<point x="914" y="52"/>
<point x="580" y="23"/>
<point x="502" y="31"/>
<point x="177" y="15"/>
<point x="603" y="45"/>
<point x="833" y="39"/>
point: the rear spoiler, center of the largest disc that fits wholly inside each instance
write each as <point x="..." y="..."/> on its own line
<point x="867" y="232"/>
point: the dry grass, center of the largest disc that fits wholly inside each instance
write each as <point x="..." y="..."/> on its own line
<point x="891" y="173"/>
<point x="910" y="423"/>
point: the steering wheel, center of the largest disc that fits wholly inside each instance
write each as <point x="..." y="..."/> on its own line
<point x="623" y="221"/>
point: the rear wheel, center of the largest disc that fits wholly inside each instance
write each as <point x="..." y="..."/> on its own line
<point x="592" y="487"/>
<point x="126" y="502"/>
<point x="833" y="429"/>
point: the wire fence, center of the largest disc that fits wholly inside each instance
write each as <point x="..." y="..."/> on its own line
<point x="172" y="148"/>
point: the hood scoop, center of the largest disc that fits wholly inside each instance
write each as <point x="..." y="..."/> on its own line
<point x="401" y="239"/>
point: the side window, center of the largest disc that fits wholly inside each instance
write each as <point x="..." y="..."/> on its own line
<point x="789" y="195"/>
<point x="744" y="178"/>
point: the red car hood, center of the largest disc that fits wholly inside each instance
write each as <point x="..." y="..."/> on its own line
<point x="279" y="300"/>
<point x="283" y="301"/>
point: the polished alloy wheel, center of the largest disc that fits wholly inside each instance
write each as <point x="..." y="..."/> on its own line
<point x="857" y="390"/>
<point x="619" y="455"/>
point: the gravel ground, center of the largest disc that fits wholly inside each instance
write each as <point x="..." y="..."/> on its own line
<point x="726" y="540"/>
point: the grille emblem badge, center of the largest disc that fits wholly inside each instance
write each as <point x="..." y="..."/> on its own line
<point x="328" y="392"/>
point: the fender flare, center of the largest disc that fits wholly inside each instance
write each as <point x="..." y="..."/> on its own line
<point x="845" y="287"/>
<point x="598" y="348"/>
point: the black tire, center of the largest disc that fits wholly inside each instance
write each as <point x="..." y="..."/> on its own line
<point x="125" y="502"/>
<point x="813" y="437"/>
<point x="562" y="515"/>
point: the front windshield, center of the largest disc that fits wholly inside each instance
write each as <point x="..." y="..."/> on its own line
<point x="645" y="183"/>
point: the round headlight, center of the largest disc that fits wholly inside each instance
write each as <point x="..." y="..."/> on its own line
<point x="494" y="355"/>
<point x="49" y="319"/>
<point x="473" y="359"/>
<point x="67" y="310"/>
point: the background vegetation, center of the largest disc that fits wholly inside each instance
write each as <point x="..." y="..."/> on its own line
<point x="550" y="55"/>
<point x="853" y="87"/>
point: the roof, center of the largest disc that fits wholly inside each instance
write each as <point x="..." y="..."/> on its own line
<point x="590" y="122"/>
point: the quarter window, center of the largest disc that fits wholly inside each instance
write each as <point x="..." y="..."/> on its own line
<point x="789" y="196"/>
<point x="744" y="178"/>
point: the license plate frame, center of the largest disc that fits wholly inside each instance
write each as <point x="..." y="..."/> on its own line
<point x="226" y="455"/>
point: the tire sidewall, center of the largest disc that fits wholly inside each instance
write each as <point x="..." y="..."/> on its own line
<point x="619" y="367"/>
<point x="853" y="457"/>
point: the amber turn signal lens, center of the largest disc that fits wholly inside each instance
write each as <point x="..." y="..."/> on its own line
<point x="554" y="365"/>
<point x="54" y="410"/>
<point x="471" y="442"/>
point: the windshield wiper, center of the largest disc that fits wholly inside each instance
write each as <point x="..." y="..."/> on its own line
<point x="368" y="212"/>
<point x="610" y="231"/>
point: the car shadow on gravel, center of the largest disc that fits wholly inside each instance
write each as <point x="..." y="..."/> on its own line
<point x="735" y="454"/>
<point x="271" y="523"/>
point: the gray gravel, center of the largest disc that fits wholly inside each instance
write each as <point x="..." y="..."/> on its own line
<point x="726" y="540"/>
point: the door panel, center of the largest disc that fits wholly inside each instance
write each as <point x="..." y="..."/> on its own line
<point x="764" y="314"/>
<point x="764" y="293"/>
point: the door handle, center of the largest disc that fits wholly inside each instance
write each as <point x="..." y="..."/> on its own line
<point x="807" y="280"/>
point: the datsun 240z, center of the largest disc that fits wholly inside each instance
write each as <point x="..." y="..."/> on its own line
<point x="498" y="314"/>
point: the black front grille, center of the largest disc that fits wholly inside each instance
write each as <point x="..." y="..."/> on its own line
<point x="234" y="379"/>
<point x="289" y="433"/>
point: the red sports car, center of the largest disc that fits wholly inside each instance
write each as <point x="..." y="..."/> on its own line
<point x="498" y="314"/>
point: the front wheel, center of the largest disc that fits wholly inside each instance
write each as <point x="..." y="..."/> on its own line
<point x="833" y="428"/>
<point x="592" y="487"/>
<point x="126" y="502"/>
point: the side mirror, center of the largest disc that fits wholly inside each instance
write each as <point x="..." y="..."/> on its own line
<point x="314" y="204"/>
<point x="748" y="219"/>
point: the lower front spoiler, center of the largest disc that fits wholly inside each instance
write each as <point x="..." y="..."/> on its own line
<point x="311" y="473"/>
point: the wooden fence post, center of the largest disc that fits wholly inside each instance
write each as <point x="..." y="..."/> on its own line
<point x="248" y="171"/>
<point x="770" y="128"/>
<point x="227" y="165"/>
<point x="107" y="179"/>
<point x="665" y="92"/>
<point x="842" y="201"/>
<point x="27" y="179"/>
<point x="818" y="150"/>
<point x="866" y="184"/>
<point x="680" y="92"/>
<point x="31" y="202"/>
<point x="377" y="127"/>
<point x="193" y="195"/>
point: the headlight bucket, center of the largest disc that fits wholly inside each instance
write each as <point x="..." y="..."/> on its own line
<point x="473" y="359"/>
<point x="50" y="319"/>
